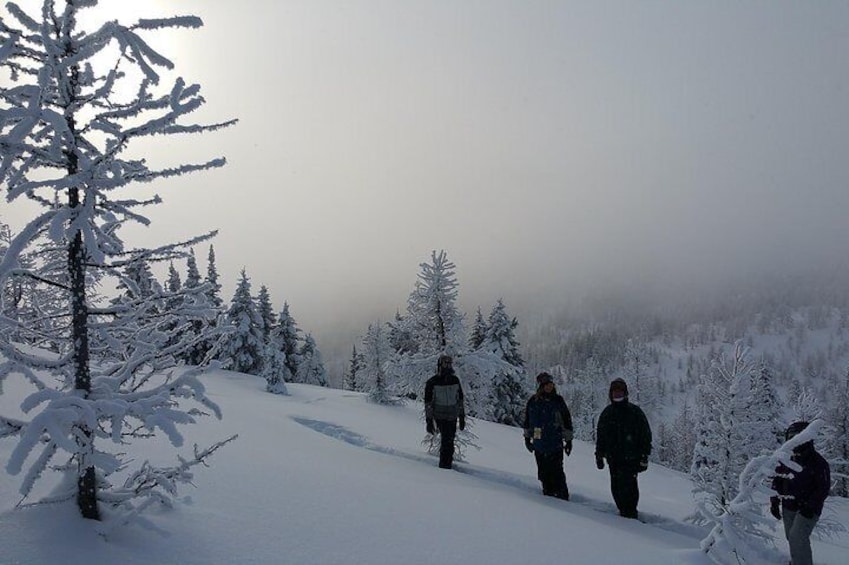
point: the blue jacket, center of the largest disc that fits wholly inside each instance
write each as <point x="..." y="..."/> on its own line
<point x="548" y="422"/>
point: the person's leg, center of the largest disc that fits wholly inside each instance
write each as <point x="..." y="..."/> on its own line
<point x="616" y="486"/>
<point x="447" y="431"/>
<point x="623" y="485"/>
<point x="543" y="472"/>
<point x="799" y="538"/>
<point x="559" y="476"/>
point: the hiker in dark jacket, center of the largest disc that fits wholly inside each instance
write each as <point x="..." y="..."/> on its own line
<point x="443" y="400"/>
<point x="623" y="438"/>
<point x="548" y="435"/>
<point x="801" y="495"/>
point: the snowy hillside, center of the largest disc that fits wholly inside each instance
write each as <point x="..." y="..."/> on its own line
<point x="323" y="477"/>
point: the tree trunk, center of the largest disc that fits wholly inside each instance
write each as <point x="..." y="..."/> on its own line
<point x="87" y="478"/>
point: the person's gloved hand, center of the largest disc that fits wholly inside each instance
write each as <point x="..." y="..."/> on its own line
<point x="567" y="447"/>
<point x="429" y="425"/>
<point x="644" y="463"/>
<point x="529" y="444"/>
<point x="775" y="507"/>
<point x="462" y="422"/>
<point x="599" y="461"/>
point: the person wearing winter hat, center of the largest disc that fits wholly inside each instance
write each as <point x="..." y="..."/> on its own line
<point x="444" y="404"/>
<point x="623" y="438"/>
<point x="548" y="435"/>
<point x="800" y="495"/>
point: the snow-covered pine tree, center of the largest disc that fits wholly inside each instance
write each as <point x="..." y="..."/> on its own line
<point x="198" y="353"/>
<point x="740" y="533"/>
<point x="214" y="287"/>
<point x="400" y="336"/>
<point x="266" y="311"/>
<point x="590" y="388"/>
<point x="376" y="351"/>
<point x="66" y="131"/>
<point x="311" y="369"/>
<point x="763" y="412"/>
<point x="434" y="324"/>
<point x="242" y="349"/>
<point x="507" y="391"/>
<point x="287" y="339"/>
<point x="354" y="373"/>
<point x="173" y="284"/>
<point x="719" y="455"/>
<point x="479" y="329"/>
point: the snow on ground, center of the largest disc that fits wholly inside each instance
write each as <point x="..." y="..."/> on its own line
<point x="324" y="477"/>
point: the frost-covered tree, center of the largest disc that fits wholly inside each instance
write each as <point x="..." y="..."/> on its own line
<point x="354" y="372"/>
<point x="266" y="311"/>
<point x="507" y="391"/>
<point x="376" y="351"/>
<point x="66" y="131"/>
<point x="201" y="299"/>
<point x="243" y="347"/>
<point x="740" y="533"/>
<point x="719" y="454"/>
<point x="434" y="323"/>
<point x="311" y="369"/>
<point x="587" y="396"/>
<point x="213" y="286"/>
<point x="479" y="329"/>
<point x="274" y="369"/>
<point x="288" y="340"/>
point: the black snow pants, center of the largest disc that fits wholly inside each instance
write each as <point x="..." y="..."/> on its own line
<point x="447" y="431"/>
<point x="623" y="486"/>
<point x="550" y="473"/>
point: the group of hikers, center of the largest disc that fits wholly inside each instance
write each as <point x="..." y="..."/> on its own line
<point x="624" y="442"/>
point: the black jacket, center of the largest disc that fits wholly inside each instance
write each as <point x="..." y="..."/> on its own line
<point x="806" y="490"/>
<point x="623" y="436"/>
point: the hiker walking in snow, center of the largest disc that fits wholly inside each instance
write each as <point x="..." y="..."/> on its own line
<point x="548" y="435"/>
<point x="801" y="495"/>
<point x="624" y="439"/>
<point x="444" y="404"/>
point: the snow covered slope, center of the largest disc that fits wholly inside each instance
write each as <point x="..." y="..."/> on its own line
<point x="323" y="477"/>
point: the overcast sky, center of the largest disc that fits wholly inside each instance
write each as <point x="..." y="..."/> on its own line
<point x="546" y="146"/>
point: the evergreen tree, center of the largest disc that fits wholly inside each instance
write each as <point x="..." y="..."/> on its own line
<point x="202" y="347"/>
<point x="435" y="325"/>
<point x="174" y="283"/>
<point x="400" y="336"/>
<point x="507" y="392"/>
<point x="719" y="454"/>
<point x="243" y="348"/>
<point x="214" y="287"/>
<point x="311" y="367"/>
<point x="479" y="330"/>
<point x="288" y="340"/>
<point x="266" y="312"/>
<point x="353" y="375"/>
<point x="376" y="352"/>
<point x="66" y="133"/>
<point x="192" y="273"/>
